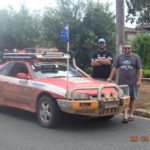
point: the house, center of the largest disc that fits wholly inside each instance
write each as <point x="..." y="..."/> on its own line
<point x="145" y="28"/>
<point x="130" y="33"/>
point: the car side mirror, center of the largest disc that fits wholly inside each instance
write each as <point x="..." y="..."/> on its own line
<point x="23" y="76"/>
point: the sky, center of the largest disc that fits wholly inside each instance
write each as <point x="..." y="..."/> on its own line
<point x="31" y="4"/>
<point x="37" y="4"/>
<point x="40" y="4"/>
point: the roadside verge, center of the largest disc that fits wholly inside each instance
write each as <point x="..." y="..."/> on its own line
<point x="144" y="110"/>
<point x="142" y="113"/>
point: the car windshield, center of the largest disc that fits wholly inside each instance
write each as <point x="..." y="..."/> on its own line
<point x="53" y="70"/>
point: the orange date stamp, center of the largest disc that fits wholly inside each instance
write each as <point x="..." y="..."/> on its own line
<point x="142" y="139"/>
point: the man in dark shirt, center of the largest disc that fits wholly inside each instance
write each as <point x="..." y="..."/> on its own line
<point x="101" y="61"/>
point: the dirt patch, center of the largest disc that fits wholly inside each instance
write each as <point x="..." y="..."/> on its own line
<point x="144" y="96"/>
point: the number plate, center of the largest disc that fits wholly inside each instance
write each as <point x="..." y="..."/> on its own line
<point x="111" y="104"/>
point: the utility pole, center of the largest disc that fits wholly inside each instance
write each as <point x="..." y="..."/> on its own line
<point x="119" y="25"/>
<point x="119" y="29"/>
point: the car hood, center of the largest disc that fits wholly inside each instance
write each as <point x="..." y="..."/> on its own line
<point x="91" y="85"/>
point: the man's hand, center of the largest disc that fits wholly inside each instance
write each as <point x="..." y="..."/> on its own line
<point x="105" y="61"/>
<point x="108" y="80"/>
<point x="95" y="62"/>
<point x="138" y="83"/>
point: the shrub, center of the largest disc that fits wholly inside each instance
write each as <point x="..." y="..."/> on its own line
<point x="141" y="45"/>
<point x="88" y="70"/>
<point x="146" y="73"/>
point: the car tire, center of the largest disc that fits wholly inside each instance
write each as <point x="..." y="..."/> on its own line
<point x="48" y="112"/>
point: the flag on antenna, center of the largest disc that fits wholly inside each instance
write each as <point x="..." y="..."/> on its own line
<point x="65" y="34"/>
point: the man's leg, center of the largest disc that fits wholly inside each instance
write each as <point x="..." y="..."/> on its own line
<point x="125" y="116"/>
<point x="126" y="113"/>
<point x="131" y="108"/>
<point x="134" y="96"/>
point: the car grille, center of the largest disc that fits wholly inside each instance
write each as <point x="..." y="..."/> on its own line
<point x="106" y="111"/>
<point x="109" y="107"/>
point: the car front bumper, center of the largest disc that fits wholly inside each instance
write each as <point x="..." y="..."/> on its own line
<point x="94" y="108"/>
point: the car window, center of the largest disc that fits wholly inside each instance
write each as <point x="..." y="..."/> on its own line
<point x="6" y="68"/>
<point x="18" y="68"/>
<point x="48" y="70"/>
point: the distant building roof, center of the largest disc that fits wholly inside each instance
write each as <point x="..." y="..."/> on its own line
<point x="127" y="29"/>
<point x="143" y="27"/>
<point x="130" y="33"/>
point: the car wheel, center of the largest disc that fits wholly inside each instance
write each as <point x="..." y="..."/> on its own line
<point x="48" y="112"/>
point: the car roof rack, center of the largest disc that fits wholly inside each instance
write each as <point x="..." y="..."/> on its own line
<point x="39" y="56"/>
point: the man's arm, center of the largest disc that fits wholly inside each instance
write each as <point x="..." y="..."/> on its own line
<point x="101" y="61"/>
<point x="113" y="72"/>
<point x="139" y="71"/>
<point x="95" y="62"/>
<point x="106" y="61"/>
<point x="139" y="77"/>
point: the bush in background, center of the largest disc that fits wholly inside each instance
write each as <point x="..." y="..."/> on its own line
<point x="146" y="73"/>
<point x="141" y="46"/>
<point x="88" y="70"/>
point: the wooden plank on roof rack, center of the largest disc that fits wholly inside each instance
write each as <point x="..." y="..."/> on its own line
<point x="64" y="56"/>
<point x="17" y="56"/>
<point x="52" y="55"/>
<point x="41" y="50"/>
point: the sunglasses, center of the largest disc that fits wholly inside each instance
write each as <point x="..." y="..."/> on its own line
<point x="127" y="47"/>
<point x="101" y="43"/>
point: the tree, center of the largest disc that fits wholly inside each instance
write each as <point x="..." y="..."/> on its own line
<point x="139" y="11"/>
<point x="67" y="12"/>
<point x="87" y="21"/>
<point x="98" y="22"/>
<point x="141" y="45"/>
<point x="6" y="28"/>
<point x="18" y="29"/>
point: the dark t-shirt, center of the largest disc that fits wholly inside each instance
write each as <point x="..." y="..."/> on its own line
<point x="128" y="66"/>
<point x="101" y="71"/>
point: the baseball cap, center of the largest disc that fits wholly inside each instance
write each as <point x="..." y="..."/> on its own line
<point x="101" y="40"/>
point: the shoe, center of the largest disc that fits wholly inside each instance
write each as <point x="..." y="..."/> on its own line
<point x="125" y="120"/>
<point x="130" y="119"/>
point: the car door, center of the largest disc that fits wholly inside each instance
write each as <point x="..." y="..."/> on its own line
<point x="4" y="81"/>
<point x="13" y="86"/>
<point x="25" y="88"/>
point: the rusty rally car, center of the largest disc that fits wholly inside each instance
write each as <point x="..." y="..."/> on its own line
<point x="44" y="84"/>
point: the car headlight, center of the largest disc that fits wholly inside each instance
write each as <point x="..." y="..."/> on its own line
<point x="81" y="96"/>
<point x="107" y="95"/>
<point x="121" y="93"/>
